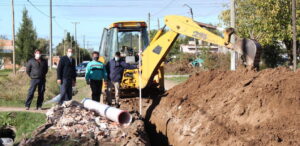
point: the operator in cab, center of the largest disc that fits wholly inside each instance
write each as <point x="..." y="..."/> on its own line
<point x="115" y="68"/>
<point x="95" y="75"/>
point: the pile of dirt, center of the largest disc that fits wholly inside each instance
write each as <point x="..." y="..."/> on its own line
<point x="71" y="124"/>
<point x="240" y="107"/>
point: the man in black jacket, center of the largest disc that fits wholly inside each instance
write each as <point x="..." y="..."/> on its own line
<point x="36" y="69"/>
<point x="66" y="76"/>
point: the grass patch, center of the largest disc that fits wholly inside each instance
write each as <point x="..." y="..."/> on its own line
<point x="177" y="79"/>
<point x="14" y="89"/>
<point x="4" y="73"/>
<point x="170" y="73"/>
<point x="83" y="90"/>
<point x="24" y="122"/>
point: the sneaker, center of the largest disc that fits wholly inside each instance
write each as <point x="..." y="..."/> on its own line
<point x="38" y="108"/>
<point x="27" y="108"/>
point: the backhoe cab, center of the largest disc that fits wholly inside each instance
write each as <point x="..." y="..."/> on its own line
<point x="127" y="37"/>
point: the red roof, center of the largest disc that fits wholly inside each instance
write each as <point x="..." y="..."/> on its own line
<point x="5" y="43"/>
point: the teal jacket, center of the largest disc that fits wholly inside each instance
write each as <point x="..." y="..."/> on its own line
<point x="96" y="71"/>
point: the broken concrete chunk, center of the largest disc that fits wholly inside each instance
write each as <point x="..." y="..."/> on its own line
<point x="71" y="123"/>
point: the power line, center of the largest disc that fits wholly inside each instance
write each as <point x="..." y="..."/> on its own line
<point x="37" y="8"/>
<point x="165" y="7"/>
<point x="59" y="26"/>
<point x="118" y="6"/>
<point x="45" y="14"/>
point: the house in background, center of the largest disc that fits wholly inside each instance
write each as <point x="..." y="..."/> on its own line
<point x="6" y="50"/>
<point x="191" y="48"/>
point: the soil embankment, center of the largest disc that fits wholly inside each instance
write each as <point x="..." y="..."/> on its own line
<point x="232" y="108"/>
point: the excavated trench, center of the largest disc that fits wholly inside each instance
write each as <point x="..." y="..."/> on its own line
<point x="149" y="104"/>
<point x="156" y="138"/>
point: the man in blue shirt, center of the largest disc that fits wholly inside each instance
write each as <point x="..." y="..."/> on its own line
<point x="95" y="74"/>
<point x="115" y="69"/>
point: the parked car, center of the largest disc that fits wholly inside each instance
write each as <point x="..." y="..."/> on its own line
<point x="80" y="69"/>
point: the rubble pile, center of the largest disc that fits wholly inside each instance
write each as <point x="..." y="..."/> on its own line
<point x="71" y="124"/>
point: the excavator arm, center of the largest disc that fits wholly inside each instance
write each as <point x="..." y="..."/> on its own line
<point x="154" y="54"/>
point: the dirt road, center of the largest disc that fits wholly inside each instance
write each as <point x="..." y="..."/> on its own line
<point x="170" y="84"/>
<point x="20" y="109"/>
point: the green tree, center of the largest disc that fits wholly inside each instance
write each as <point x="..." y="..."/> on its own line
<point x="85" y="54"/>
<point x="175" y="50"/>
<point x="66" y="43"/>
<point x="43" y="45"/>
<point x="152" y="34"/>
<point x="268" y="21"/>
<point x="26" y="39"/>
<point x="272" y="55"/>
<point x="69" y="42"/>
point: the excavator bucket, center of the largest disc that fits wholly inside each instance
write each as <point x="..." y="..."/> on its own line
<point x="250" y="51"/>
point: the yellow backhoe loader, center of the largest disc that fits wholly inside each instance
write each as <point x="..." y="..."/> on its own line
<point x="131" y="38"/>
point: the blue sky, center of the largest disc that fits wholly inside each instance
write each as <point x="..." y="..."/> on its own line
<point x="94" y="15"/>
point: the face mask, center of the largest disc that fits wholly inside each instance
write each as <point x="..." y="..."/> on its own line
<point x="69" y="54"/>
<point x="37" y="56"/>
<point x="117" y="58"/>
<point x="96" y="58"/>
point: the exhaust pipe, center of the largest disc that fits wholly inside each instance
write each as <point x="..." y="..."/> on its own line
<point x="112" y="113"/>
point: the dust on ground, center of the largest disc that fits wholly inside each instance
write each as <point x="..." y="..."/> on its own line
<point x="240" y="107"/>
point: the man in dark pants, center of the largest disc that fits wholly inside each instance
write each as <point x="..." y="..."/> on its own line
<point x="36" y="69"/>
<point x="115" y="68"/>
<point x="66" y="76"/>
<point x="95" y="74"/>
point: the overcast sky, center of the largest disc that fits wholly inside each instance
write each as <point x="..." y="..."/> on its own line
<point x="94" y="15"/>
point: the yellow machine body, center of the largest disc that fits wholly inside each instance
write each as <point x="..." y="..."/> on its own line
<point x="153" y="53"/>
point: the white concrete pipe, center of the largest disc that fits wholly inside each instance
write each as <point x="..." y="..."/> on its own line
<point x="112" y="113"/>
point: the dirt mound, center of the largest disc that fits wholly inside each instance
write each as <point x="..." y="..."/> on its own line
<point x="71" y="124"/>
<point x="232" y="108"/>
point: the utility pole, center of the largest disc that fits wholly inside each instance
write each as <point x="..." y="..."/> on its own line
<point x="158" y="26"/>
<point x="83" y="44"/>
<point x="50" y="43"/>
<point x="294" y="34"/>
<point x="87" y="44"/>
<point x="65" y="34"/>
<point x="13" y="35"/>
<point x="192" y="15"/>
<point x="149" y="25"/>
<point x="233" y="54"/>
<point x="84" y="41"/>
<point x="76" y="57"/>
